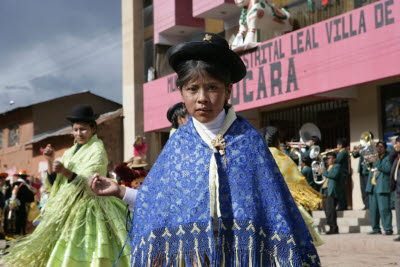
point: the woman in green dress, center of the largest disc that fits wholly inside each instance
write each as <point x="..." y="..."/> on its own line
<point x="77" y="228"/>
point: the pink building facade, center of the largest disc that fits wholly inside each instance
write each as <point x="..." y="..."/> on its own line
<point x="339" y="70"/>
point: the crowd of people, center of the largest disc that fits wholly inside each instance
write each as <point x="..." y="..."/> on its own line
<point x="19" y="203"/>
<point x="221" y="193"/>
<point x="378" y="169"/>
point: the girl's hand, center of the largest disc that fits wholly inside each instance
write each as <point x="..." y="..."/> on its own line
<point x="58" y="167"/>
<point x="48" y="153"/>
<point x="102" y="186"/>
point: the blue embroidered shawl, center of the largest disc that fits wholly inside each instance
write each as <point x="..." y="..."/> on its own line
<point x="260" y="224"/>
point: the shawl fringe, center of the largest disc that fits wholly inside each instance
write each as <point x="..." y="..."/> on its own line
<point x="237" y="246"/>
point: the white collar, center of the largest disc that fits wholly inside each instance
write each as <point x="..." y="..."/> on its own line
<point x="213" y="127"/>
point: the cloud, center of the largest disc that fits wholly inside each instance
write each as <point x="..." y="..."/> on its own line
<point x="59" y="48"/>
<point x="14" y="88"/>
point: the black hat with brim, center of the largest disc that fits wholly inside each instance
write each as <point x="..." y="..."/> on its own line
<point x="172" y="109"/>
<point x="207" y="47"/>
<point x="82" y="113"/>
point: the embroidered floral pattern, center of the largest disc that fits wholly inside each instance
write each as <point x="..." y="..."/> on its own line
<point x="255" y="205"/>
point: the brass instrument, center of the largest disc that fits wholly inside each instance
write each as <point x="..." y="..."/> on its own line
<point x="314" y="152"/>
<point x="366" y="141"/>
<point x="295" y="154"/>
<point x="296" y="144"/>
<point x="316" y="167"/>
<point x="323" y="154"/>
<point x="306" y="131"/>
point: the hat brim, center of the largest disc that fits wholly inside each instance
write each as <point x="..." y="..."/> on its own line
<point x="86" y="119"/>
<point x="208" y="52"/>
<point x="137" y="165"/>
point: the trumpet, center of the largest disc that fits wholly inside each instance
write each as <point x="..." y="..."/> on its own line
<point x="296" y="144"/>
<point x="323" y="154"/>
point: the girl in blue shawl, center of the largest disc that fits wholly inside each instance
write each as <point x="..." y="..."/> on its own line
<point x="215" y="196"/>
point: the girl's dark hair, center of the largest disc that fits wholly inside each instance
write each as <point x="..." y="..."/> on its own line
<point x="194" y="68"/>
<point x="178" y="112"/>
<point x="92" y="124"/>
<point x="190" y="69"/>
<point x="271" y="135"/>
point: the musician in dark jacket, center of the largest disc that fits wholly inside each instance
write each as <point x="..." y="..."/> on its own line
<point x="378" y="188"/>
<point x="307" y="172"/>
<point x="364" y="173"/>
<point x="330" y="191"/>
<point x="24" y="195"/>
<point x="395" y="175"/>
<point x="314" y="141"/>
<point x="342" y="158"/>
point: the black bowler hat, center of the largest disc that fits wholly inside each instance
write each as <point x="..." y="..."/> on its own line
<point x="172" y="109"/>
<point x="82" y="113"/>
<point x="207" y="47"/>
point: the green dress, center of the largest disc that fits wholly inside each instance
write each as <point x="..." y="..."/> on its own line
<point x="77" y="228"/>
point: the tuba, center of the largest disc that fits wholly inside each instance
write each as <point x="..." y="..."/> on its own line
<point x="306" y="131"/>
<point x="368" y="150"/>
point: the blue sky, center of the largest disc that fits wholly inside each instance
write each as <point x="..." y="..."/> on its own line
<point x="51" y="48"/>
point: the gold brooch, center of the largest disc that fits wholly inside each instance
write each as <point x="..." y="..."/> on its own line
<point x="207" y="37"/>
<point x="219" y="146"/>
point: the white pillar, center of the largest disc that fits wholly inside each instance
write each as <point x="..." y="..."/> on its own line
<point x="364" y="116"/>
<point x="133" y="72"/>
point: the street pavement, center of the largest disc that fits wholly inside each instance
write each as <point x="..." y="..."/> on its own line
<point x="359" y="249"/>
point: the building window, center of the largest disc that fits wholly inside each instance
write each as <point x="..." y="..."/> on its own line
<point x="1" y="138"/>
<point x="13" y="135"/>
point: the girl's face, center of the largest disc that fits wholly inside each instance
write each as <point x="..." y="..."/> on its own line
<point x="204" y="97"/>
<point x="82" y="132"/>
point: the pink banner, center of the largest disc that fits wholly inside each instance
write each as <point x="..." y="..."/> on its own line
<point x="353" y="48"/>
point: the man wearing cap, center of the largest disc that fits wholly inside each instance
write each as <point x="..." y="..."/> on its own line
<point x="24" y="195"/>
<point x="342" y="158"/>
<point x="306" y="171"/>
